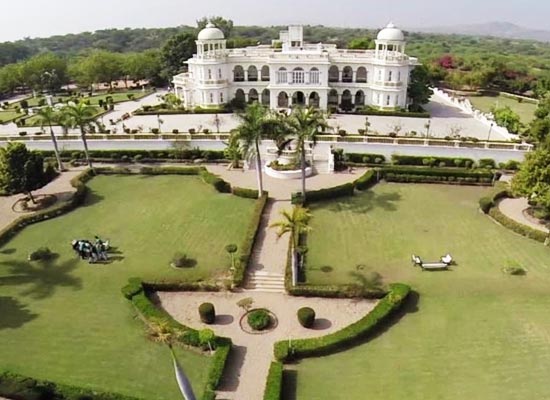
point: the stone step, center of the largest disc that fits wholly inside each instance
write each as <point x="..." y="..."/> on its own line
<point x="265" y="290"/>
<point x="266" y="274"/>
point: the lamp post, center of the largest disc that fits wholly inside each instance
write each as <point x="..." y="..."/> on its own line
<point x="490" y="129"/>
<point x="427" y="126"/>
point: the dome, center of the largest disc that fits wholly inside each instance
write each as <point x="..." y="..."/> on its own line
<point x="391" y="33"/>
<point x="211" y="33"/>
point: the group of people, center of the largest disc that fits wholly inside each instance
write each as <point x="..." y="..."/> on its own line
<point x="93" y="252"/>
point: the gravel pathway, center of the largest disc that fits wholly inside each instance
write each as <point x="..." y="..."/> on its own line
<point x="248" y="364"/>
<point x="515" y="209"/>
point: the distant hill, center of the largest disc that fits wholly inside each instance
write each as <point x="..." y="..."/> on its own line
<point x="496" y="29"/>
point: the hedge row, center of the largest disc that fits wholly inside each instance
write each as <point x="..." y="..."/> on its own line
<point x="515" y="226"/>
<point x="328" y="193"/>
<point x="487" y="202"/>
<point x="246" y="193"/>
<point x="248" y="242"/>
<point x="186" y="335"/>
<point x="432" y="161"/>
<point x="219" y="184"/>
<point x="78" y="182"/>
<point x="365" y="181"/>
<point x="329" y="344"/>
<point x="182" y="154"/>
<point x="20" y="387"/>
<point x="364" y="158"/>
<point x="395" y="113"/>
<point x="437" y="175"/>
<point x="274" y="383"/>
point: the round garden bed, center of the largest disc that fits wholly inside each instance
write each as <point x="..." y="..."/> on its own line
<point x="265" y="319"/>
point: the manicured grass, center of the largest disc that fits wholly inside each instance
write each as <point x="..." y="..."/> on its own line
<point x="68" y="321"/>
<point x="474" y="332"/>
<point x="119" y="97"/>
<point x="526" y="111"/>
<point x="8" y="116"/>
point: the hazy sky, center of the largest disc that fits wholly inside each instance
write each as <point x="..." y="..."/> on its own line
<point x="39" y="18"/>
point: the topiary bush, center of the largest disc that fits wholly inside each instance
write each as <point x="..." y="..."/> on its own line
<point x="259" y="319"/>
<point x="485" y="204"/>
<point x="306" y="316"/>
<point x="207" y="313"/>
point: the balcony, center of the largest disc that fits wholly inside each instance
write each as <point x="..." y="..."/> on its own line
<point x="389" y="84"/>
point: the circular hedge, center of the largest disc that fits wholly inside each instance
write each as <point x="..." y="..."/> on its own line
<point x="306" y="317"/>
<point x="259" y="319"/>
<point x="207" y="313"/>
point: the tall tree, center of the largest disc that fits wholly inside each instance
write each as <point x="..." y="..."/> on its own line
<point x="82" y="116"/>
<point x="10" y="78"/>
<point x="99" y="66"/>
<point x="226" y="25"/>
<point x="362" y="43"/>
<point x="49" y="117"/>
<point x="139" y="66"/>
<point x="256" y="123"/>
<point x="533" y="178"/>
<point x="539" y="129"/>
<point x="419" y="88"/>
<point x="21" y="171"/>
<point x="304" y="125"/>
<point x="507" y="118"/>
<point x="175" y="52"/>
<point x="44" y="72"/>
<point x="294" y="223"/>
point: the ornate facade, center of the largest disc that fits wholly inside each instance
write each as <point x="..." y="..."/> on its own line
<point x="291" y="72"/>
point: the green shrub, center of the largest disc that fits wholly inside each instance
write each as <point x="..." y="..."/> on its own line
<point x="437" y="175"/>
<point x="246" y="193"/>
<point x="306" y="317"/>
<point x="429" y="161"/>
<point x="274" y="382"/>
<point x="364" y="158"/>
<point x="523" y="230"/>
<point x="329" y="344"/>
<point x="259" y="319"/>
<point x="297" y="198"/>
<point x="207" y="313"/>
<point x="487" y="163"/>
<point x="344" y="190"/>
<point x="365" y="181"/>
<point x="133" y="287"/>
<point x="42" y="254"/>
<point x="485" y="204"/>
<point x="217" y="366"/>
<point x="155" y="131"/>
<point x="219" y="184"/>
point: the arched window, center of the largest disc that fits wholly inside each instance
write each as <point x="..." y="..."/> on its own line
<point x="252" y="74"/>
<point x="314" y="76"/>
<point x="333" y="74"/>
<point x="266" y="97"/>
<point x="238" y="74"/>
<point x="282" y="75"/>
<point x="346" y="104"/>
<point x="361" y="76"/>
<point x="253" y="96"/>
<point x="359" y="98"/>
<point x="240" y="97"/>
<point x="265" y="73"/>
<point x="298" y="76"/>
<point x="314" y="100"/>
<point x="333" y="97"/>
<point x="299" y="99"/>
<point x="282" y="100"/>
<point x="347" y="74"/>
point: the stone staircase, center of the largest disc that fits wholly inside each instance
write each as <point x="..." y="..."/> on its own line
<point x="261" y="281"/>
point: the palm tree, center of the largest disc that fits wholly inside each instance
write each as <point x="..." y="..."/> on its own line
<point x="257" y="123"/>
<point x="48" y="116"/>
<point x="304" y="125"/>
<point x="295" y="223"/>
<point x="82" y="116"/>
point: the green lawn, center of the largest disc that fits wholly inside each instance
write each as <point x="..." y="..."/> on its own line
<point x="526" y="111"/>
<point x="8" y="116"/>
<point x="68" y="321"/>
<point x="474" y="331"/>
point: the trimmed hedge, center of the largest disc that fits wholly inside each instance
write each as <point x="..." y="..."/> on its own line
<point x="274" y="383"/>
<point x="207" y="313"/>
<point x="434" y="161"/>
<point x="217" y="367"/>
<point x="169" y="154"/>
<point x="365" y="181"/>
<point x="521" y="229"/>
<point x="334" y="342"/>
<point x="248" y="242"/>
<point x="306" y="316"/>
<point x="246" y="193"/>
<point x="171" y="170"/>
<point x="344" y="190"/>
<point x="394" y="113"/>
<point x="20" y="387"/>
<point x="219" y="184"/>
<point x="364" y="158"/>
<point x="437" y="175"/>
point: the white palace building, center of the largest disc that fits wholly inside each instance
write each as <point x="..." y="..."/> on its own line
<point x="290" y="72"/>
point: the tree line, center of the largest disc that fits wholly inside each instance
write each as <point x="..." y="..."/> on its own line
<point x="459" y="62"/>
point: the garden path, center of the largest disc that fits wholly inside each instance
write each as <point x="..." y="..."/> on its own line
<point x="60" y="187"/>
<point x="516" y="209"/>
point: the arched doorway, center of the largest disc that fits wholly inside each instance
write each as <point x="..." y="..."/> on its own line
<point x="240" y="96"/>
<point x="265" y="73"/>
<point x="282" y="100"/>
<point x="347" y="74"/>
<point x="314" y="100"/>
<point x="252" y="74"/>
<point x="238" y="74"/>
<point x="361" y="75"/>
<point x="346" y="103"/>
<point x="333" y="98"/>
<point x="359" y="98"/>
<point x="333" y="74"/>
<point x="266" y="97"/>
<point x="253" y="96"/>
<point x="298" y="99"/>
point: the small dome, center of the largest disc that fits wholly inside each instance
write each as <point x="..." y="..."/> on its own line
<point x="211" y="33"/>
<point x="391" y="33"/>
